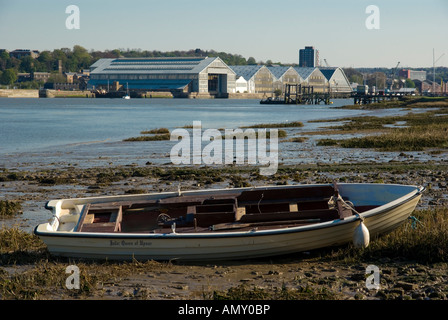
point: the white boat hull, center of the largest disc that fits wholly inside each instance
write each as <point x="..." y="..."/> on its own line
<point x="227" y="245"/>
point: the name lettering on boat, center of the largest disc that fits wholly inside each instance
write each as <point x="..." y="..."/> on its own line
<point x="128" y="243"/>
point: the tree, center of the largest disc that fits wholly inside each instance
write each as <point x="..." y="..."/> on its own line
<point x="27" y="64"/>
<point x="410" y="83"/>
<point x="251" y="60"/>
<point x="56" y="78"/>
<point x="377" y="79"/>
<point x="46" y="63"/>
<point x="4" y="59"/>
<point x="354" y="75"/>
<point x="8" y="77"/>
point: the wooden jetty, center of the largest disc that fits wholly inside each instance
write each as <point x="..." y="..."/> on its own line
<point x="360" y="98"/>
<point x="300" y="94"/>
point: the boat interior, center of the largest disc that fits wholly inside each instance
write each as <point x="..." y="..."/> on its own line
<point x="250" y="209"/>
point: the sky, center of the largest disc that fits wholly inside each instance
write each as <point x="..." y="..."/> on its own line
<point x="408" y="30"/>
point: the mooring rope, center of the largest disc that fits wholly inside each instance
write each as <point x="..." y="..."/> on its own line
<point x="414" y="222"/>
<point x="346" y="204"/>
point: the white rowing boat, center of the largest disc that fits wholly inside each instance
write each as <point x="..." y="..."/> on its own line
<point x="225" y="223"/>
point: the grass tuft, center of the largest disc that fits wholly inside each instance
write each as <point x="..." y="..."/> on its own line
<point x="9" y="208"/>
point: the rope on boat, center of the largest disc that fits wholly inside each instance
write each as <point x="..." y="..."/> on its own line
<point x="414" y="222"/>
<point x="57" y="218"/>
<point x="361" y="235"/>
<point x="346" y="204"/>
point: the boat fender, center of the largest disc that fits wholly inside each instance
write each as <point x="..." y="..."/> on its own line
<point x="361" y="236"/>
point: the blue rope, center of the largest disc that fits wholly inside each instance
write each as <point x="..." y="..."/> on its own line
<point x="414" y="222"/>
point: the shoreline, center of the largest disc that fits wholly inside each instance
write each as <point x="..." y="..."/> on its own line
<point x="34" y="93"/>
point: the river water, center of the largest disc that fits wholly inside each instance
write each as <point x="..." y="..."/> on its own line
<point x="44" y="133"/>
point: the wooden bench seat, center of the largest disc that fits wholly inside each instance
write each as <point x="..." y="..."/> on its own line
<point x="323" y="215"/>
<point x="100" y="220"/>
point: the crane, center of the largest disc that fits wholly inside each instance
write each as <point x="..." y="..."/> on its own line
<point x="393" y="75"/>
<point x="326" y="62"/>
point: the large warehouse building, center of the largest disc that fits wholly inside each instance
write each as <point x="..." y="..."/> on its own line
<point x="207" y="77"/>
<point x="181" y="76"/>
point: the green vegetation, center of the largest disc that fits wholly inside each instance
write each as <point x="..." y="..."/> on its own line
<point x="416" y="132"/>
<point x="8" y="77"/>
<point x="10" y="208"/>
<point x="424" y="240"/>
<point x="405" y="103"/>
<point x="280" y="134"/>
<point x="298" y="139"/>
<point x="294" y="124"/>
<point x="156" y="131"/>
<point x="327" y="142"/>
<point x="157" y="137"/>
<point x="79" y="58"/>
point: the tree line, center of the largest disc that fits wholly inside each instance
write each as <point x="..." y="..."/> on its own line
<point x="79" y="58"/>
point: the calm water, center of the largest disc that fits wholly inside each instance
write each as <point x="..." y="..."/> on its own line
<point x="34" y="124"/>
<point x="44" y="131"/>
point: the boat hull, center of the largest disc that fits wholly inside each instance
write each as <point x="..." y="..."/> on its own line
<point x="227" y="245"/>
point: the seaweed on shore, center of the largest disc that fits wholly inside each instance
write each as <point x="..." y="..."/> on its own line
<point x="9" y="208"/>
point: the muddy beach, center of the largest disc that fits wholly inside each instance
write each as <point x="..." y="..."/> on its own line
<point x="322" y="274"/>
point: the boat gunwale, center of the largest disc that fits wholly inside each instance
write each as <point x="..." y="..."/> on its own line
<point x="234" y="234"/>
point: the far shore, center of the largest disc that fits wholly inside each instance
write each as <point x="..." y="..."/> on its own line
<point x="34" y="93"/>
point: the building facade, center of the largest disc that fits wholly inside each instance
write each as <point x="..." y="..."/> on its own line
<point x="308" y="57"/>
<point x="284" y="75"/>
<point x="259" y="78"/>
<point x="412" y="74"/>
<point x="313" y="77"/>
<point x="336" y="79"/>
<point x="20" y="53"/>
<point x="241" y="85"/>
<point x="196" y="74"/>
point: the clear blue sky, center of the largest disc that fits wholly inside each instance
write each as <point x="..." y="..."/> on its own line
<point x="275" y="30"/>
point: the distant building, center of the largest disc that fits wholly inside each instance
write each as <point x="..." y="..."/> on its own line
<point x="40" y="76"/>
<point x="177" y="75"/>
<point x="241" y="85"/>
<point x="308" y="57"/>
<point x="336" y="78"/>
<point x="63" y="86"/>
<point x="262" y="79"/>
<point x="313" y="77"/>
<point x="259" y="78"/>
<point x="284" y="75"/>
<point x="20" y="53"/>
<point x="412" y="74"/>
<point x="430" y="87"/>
